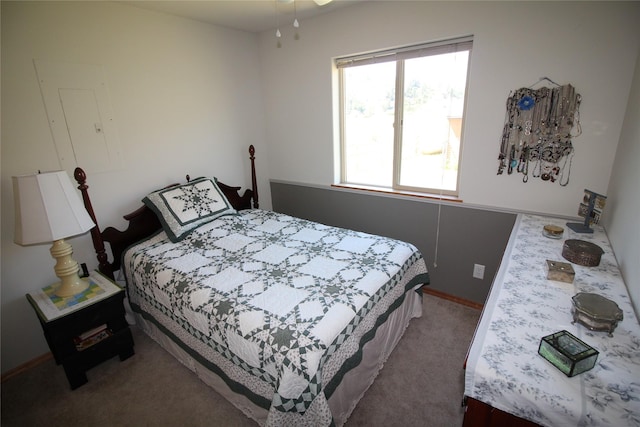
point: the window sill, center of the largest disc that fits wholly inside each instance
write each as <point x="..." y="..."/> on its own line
<point x="429" y="196"/>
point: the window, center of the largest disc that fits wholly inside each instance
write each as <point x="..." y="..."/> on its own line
<point x="401" y="116"/>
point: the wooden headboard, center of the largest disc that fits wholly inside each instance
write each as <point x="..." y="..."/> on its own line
<point x="143" y="222"/>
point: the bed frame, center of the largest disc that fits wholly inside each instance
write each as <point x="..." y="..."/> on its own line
<point x="143" y="222"/>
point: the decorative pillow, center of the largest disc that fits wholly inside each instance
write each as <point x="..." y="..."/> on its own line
<point x="183" y="208"/>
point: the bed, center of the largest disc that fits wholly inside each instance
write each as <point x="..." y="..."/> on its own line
<point x="290" y="320"/>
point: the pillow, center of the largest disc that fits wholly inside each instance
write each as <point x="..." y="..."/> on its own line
<point x="185" y="207"/>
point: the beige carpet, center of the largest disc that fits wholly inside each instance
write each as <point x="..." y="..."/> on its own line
<point x="420" y="385"/>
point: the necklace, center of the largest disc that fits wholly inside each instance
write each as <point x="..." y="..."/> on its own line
<point x="539" y="126"/>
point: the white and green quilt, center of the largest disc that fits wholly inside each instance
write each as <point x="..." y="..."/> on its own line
<point x="277" y="306"/>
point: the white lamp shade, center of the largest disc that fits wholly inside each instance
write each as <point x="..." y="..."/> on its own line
<point x="47" y="208"/>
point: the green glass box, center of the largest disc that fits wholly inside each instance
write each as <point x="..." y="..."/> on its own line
<point x="567" y="353"/>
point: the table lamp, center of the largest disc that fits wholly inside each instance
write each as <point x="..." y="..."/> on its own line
<point x="48" y="209"/>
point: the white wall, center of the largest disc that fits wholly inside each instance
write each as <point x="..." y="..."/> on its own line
<point x="591" y="45"/>
<point x="623" y="198"/>
<point x="186" y="97"/>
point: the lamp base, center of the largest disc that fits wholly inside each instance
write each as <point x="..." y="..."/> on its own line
<point x="579" y="227"/>
<point x="71" y="287"/>
<point x="66" y="269"/>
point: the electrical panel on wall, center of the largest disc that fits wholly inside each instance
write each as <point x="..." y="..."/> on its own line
<point x="76" y="100"/>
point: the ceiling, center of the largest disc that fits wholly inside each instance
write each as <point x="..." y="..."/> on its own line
<point x="247" y="15"/>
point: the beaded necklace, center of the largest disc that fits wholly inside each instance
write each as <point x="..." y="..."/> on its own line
<point x="539" y="128"/>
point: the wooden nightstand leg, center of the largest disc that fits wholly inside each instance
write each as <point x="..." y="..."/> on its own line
<point x="126" y="346"/>
<point x="126" y="353"/>
<point x="76" y="378"/>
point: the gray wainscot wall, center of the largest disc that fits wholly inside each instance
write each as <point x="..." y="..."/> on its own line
<point x="468" y="235"/>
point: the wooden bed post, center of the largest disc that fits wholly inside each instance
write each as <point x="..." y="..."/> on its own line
<point x="98" y="243"/>
<point x="254" y="185"/>
<point x="143" y="222"/>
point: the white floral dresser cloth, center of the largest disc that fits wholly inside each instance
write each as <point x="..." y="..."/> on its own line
<point x="504" y="369"/>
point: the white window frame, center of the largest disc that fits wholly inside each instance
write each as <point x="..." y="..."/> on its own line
<point x="398" y="55"/>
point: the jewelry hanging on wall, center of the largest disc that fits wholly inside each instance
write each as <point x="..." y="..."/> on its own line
<point x="538" y="131"/>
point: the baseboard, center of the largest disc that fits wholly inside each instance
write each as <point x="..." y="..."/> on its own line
<point x="453" y="298"/>
<point x="26" y="366"/>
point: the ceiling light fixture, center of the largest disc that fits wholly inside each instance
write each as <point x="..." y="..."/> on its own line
<point x="296" y="23"/>
<point x="318" y="2"/>
<point x="278" y="34"/>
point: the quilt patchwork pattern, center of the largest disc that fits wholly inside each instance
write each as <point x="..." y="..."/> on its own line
<point x="269" y="299"/>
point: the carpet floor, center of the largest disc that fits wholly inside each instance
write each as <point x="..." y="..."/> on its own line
<point x="421" y="384"/>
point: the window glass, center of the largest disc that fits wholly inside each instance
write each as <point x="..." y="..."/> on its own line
<point x="368" y="131"/>
<point x="409" y="141"/>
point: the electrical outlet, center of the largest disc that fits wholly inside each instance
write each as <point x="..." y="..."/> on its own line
<point x="478" y="271"/>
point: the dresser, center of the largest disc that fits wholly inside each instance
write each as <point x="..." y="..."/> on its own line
<point x="508" y="383"/>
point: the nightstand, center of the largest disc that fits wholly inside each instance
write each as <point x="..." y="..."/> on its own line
<point x="84" y="330"/>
